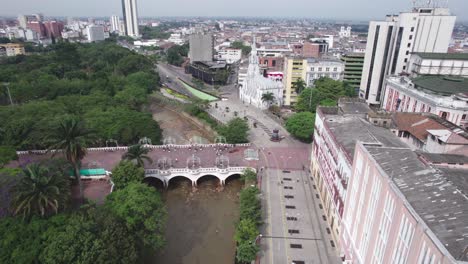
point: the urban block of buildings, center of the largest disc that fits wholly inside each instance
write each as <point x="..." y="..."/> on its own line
<point x="393" y="185"/>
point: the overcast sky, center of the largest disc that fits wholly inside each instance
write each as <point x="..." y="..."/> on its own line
<point x="339" y="9"/>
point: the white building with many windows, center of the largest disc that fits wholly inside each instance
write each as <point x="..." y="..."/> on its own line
<point x="390" y="44"/>
<point x="318" y="68"/>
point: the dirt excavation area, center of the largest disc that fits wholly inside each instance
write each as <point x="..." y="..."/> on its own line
<point x="179" y="128"/>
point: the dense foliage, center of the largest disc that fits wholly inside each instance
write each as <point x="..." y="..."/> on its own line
<point x="325" y="92"/>
<point x="239" y="45"/>
<point x="102" y="84"/>
<point x="127" y="172"/>
<point x="236" y="131"/>
<point x="175" y="54"/>
<point x="247" y="230"/>
<point x="7" y="153"/>
<point x="301" y="125"/>
<point x="143" y="211"/>
<point x="132" y="220"/>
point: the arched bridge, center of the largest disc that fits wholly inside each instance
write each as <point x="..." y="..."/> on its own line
<point x="194" y="174"/>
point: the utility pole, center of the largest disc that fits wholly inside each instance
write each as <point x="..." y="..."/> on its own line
<point x="7" y="85"/>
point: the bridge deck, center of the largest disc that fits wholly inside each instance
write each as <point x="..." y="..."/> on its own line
<point x="109" y="159"/>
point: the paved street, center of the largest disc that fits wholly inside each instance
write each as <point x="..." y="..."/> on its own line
<point x="293" y="218"/>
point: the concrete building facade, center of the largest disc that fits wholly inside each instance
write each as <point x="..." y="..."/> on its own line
<point x="455" y="64"/>
<point x="130" y="15"/>
<point x="115" y="23"/>
<point x="95" y="33"/>
<point x="13" y="49"/>
<point x="391" y="42"/>
<point x="294" y="69"/>
<point x="354" y="63"/>
<point x="401" y="210"/>
<point x="201" y="47"/>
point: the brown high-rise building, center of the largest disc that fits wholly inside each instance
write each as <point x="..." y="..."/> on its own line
<point x="38" y="27"/>
<point x="53" y="28"/>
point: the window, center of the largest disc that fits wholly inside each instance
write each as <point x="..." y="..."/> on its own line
<point x="407" y="52"/>
<point x="410" y="37"/>
<point x="320" y="69"/>
<point x="412" y="29"/>
<point x="384" y="229"/>
<point x="312" y="69"/>
<point x="327" y="69"/>
<point x="409" y="45"/>
<point x="273" y="63"/>
<point x="404" y="67"/>
<point x="405" y="236"/>
<point x="406" y="59"/>
<point x="463" y="117"/>
<point x="335" y="69"/>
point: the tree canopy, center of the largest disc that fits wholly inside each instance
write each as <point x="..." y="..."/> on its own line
<point x="143" y="211"/>
<point x="102" y="84"/>
<point x="301" y="125"/>
<point x="236" y="131"/>
<point x="125" y="173"/>
<point x="239" y="45"/>
<point x="325" y="91"/>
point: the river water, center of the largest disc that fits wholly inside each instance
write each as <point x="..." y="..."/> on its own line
<point x="201" y="223"/>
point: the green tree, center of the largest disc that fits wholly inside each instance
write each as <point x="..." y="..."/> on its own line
<point x="142" y="210"/>
<point x="299" y="85"/>
<point x="7" y="154"/>
<point x="40" y="192"/>
<point x="268" y="98"/>
<point x="328" y="102"/>
<point x="21" y="241"/>
<point x="247" y="252"/>
<point x="249" y="176"/>
<point x="301" y="126"/>
<point x="250" y="205"/>
<point x="125" y="173"/>
<point x="137" y="154"/>
<point x="132" y="96"/>
<point x="239" y="45"/>
<point x="71" y="136"/>
<point x="89" y="237"/>
<point x="246" y="231"/>
<point x="236" y="131"/>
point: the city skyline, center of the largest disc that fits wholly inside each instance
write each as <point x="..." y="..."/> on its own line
<point x="332" y="9"/>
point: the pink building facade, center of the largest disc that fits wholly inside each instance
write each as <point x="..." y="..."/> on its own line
<point x="399" y="210"/>
<point x="401" y="95"/>
<point x="331" y="169"/>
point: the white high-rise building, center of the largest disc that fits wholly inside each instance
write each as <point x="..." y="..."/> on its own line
<point x="345" y="32"/>
<point x="130" y="15"/>
<point x="115" y="23"/>
<point x="390" y="44"/>
<point x="22" y="21"/>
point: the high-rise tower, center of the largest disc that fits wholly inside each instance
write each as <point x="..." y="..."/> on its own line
<point x="391" y="42"/>
<point x="130" y="15"/>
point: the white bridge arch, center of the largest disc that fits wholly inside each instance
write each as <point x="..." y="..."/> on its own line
<point x="194" y="174"/>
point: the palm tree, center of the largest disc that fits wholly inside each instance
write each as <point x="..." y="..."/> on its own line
<point x="268" y="98"/>
<point x="71" y="137"/>
<point x="137" y="154"/>
<point x="40" y="192"/>
<point x="299" y="85"/>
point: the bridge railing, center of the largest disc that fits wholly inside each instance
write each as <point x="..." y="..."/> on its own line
<point x="110" y="149"/>
<point x="194" y="171"/>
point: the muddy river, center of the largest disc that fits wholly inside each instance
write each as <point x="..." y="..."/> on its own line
<point x="200" y="226"/>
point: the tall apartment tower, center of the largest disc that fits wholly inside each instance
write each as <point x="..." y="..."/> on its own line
<point x="115" y="23"/>
<point x="22" y="21"/>
<point x="391" y="42"/>
<point x="130" y="15"/>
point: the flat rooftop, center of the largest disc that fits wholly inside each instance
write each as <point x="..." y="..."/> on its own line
<point x="350" y="128"/>
<point x="443" y="85"/>
<point x="438" y="195"/>
<point x="442" y="56"/>
<point x="445" y="158"/>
